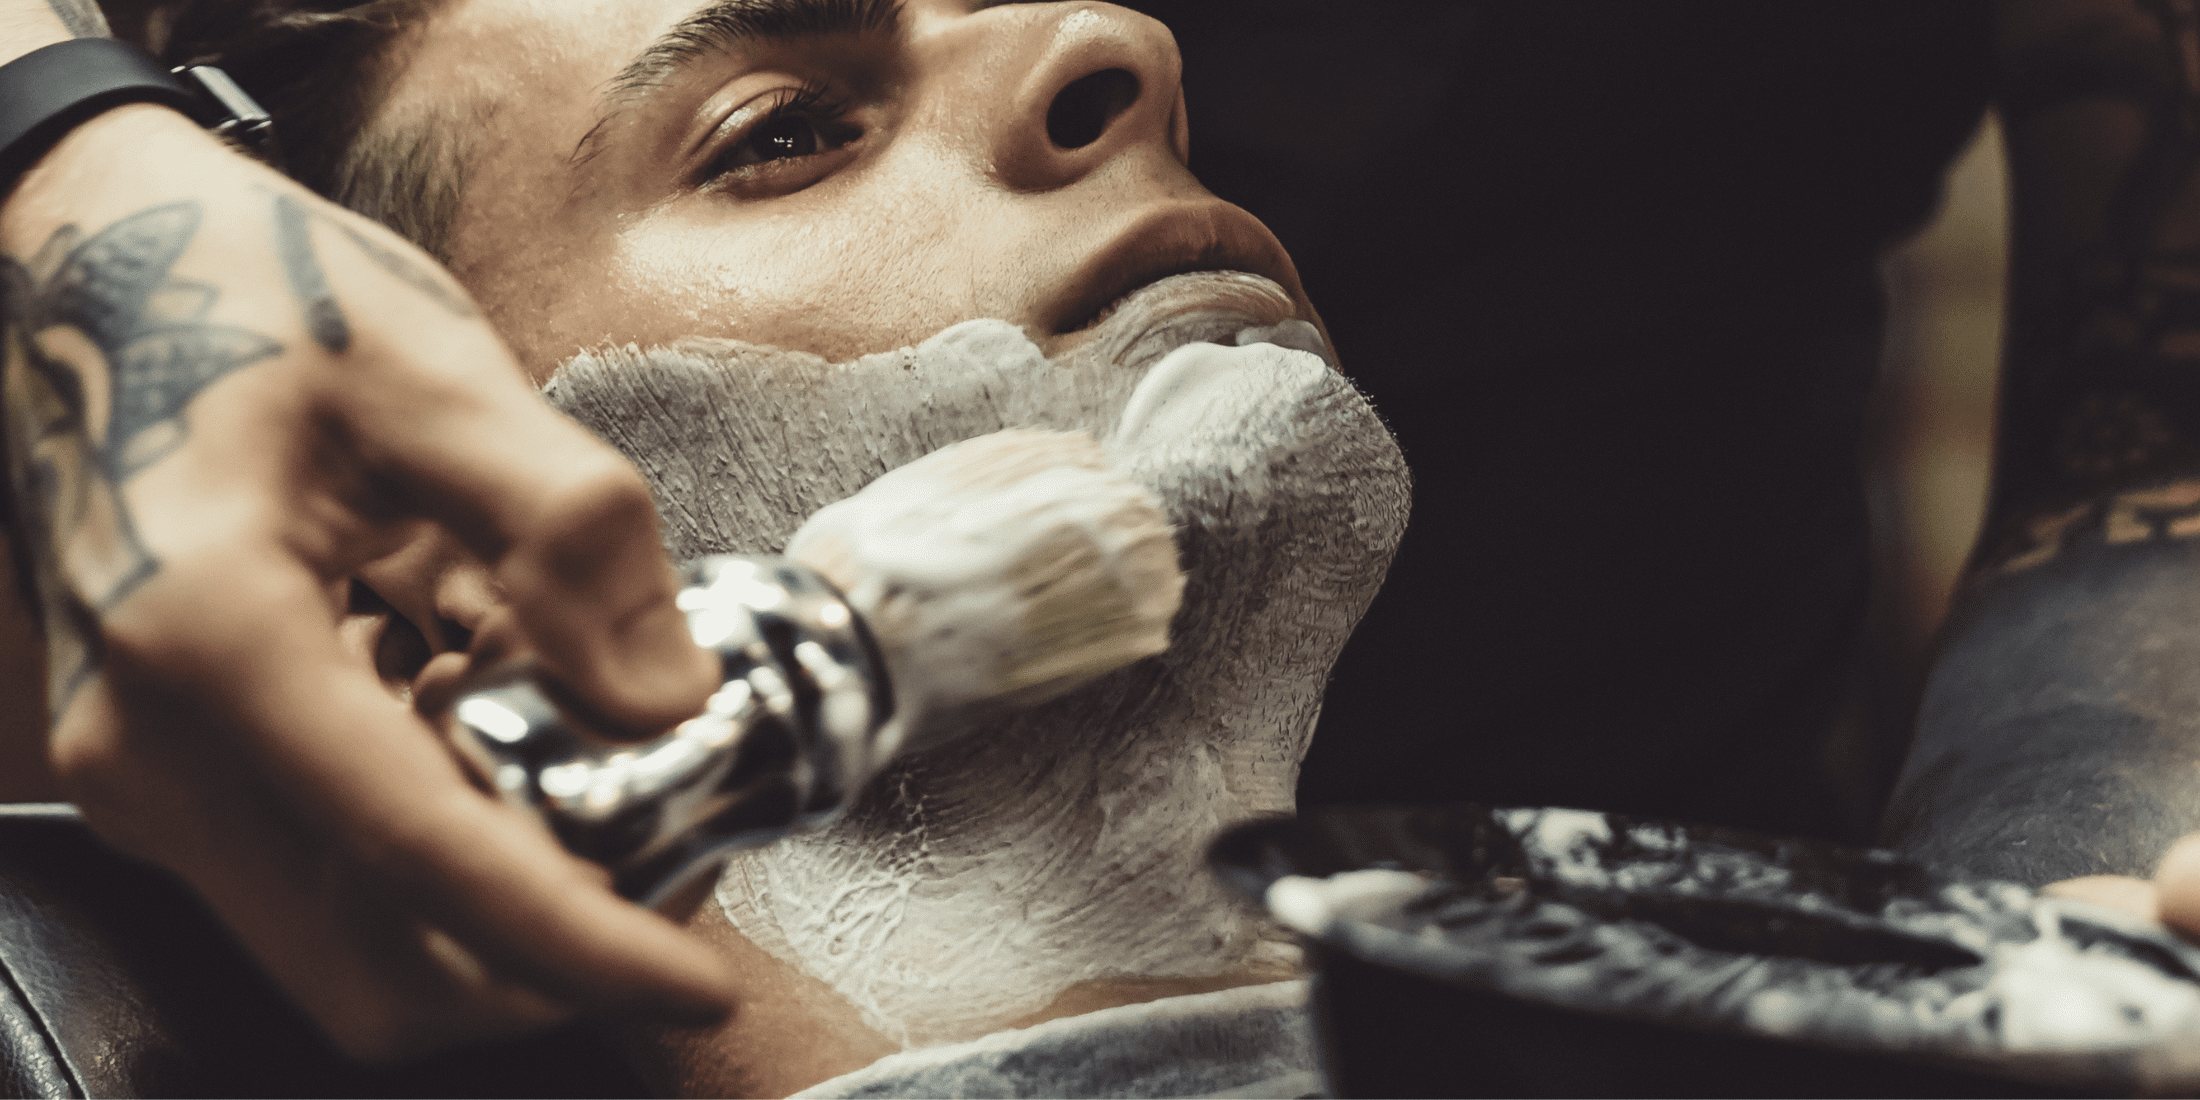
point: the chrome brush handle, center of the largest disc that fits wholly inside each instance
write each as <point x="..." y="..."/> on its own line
<point x="792" y="732"/>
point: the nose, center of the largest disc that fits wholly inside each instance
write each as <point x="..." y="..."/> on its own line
<point x="1093" y="80"/>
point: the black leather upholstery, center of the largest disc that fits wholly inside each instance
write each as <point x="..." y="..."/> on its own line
<point x="114" y="981"/>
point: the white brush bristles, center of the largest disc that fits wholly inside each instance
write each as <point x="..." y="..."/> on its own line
<point x="1003" y="569"/>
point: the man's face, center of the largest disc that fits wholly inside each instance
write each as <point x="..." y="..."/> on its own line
<point x="825" y="181"/>
<point x="819" y="183"/>
<point x="832" y="176"/>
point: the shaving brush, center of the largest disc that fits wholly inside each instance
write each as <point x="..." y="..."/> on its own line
<point x="993" y="574"/>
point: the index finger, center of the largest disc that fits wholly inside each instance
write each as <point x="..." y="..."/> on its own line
<point x="567" y="525"/>
<point x="573" y="541"/>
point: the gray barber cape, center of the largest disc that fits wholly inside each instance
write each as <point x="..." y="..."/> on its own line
<point x="1251" y="1041"/>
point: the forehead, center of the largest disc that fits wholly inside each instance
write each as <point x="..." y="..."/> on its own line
<point x="545" y="59"/>
<point x="534" y="59"/>
<point x="528" y="88"/>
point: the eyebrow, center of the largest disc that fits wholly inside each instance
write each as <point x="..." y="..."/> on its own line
<point x="726" y="26"/>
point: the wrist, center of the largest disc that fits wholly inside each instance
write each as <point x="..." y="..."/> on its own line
<point x="50" y="91"/>
<point x="110" y="165"/>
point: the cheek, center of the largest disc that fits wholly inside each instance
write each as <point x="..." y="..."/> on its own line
<point x="838" y="282"/>
<point x="532" y="290"/>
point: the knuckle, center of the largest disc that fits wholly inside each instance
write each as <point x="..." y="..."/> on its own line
<point x="598" y="488"/>
<point x="596" y="503"/>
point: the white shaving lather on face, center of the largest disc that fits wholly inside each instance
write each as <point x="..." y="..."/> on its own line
<point x="976" y="881"/>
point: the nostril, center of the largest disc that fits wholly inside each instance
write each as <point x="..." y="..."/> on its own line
<point x="1083" y="109"/>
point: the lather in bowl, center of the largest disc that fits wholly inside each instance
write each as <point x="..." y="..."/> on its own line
<point x="1478" y="951"/>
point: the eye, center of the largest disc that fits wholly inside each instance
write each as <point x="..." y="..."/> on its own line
<point x="781" y="137"/>
<point x="802" y="124"/>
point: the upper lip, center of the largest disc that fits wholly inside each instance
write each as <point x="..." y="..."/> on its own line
<point x="1206" y="235"/>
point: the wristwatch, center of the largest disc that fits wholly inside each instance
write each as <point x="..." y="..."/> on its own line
<point x="48" y="91"/>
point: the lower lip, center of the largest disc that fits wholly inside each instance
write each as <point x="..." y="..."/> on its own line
<point x="1265" y="297"/>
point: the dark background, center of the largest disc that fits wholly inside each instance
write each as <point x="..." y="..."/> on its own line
<point x="1607" y="270"/>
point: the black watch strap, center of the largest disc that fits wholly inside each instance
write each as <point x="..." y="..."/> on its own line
<point x="48" y="91"/>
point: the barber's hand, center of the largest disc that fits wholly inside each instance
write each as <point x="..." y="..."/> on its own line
<point x="223" y="396"/>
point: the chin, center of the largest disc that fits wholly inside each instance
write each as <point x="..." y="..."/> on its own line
<point x="970" y="872"/>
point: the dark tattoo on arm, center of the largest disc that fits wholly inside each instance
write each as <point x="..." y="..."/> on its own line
<point x="81" y="17"/>
<point x="104" y="349"/>
<point x="2101" y="397"/>
<point x="101" y="351"/>
<point x="427" y="282"/>
<point x="294" y="243"/>
<point x="302" y="265"/>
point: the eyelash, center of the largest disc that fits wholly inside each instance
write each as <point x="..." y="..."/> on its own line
<point x="811" y="103"/>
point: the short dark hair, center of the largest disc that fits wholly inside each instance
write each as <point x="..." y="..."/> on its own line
<point x="320" y="67"/>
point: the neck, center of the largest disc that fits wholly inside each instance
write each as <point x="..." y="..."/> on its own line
<point x="973" y="886"/>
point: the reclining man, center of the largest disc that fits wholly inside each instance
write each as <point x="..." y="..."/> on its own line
<point x="828" y="181"/>
<point x="831" y="178"/>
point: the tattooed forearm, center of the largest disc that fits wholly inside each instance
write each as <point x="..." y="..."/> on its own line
<point x="2101" y="397"/>
<point x="81" y="17"/>
<point x="2056" y="733"/>
<point x="103" y="351"/>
